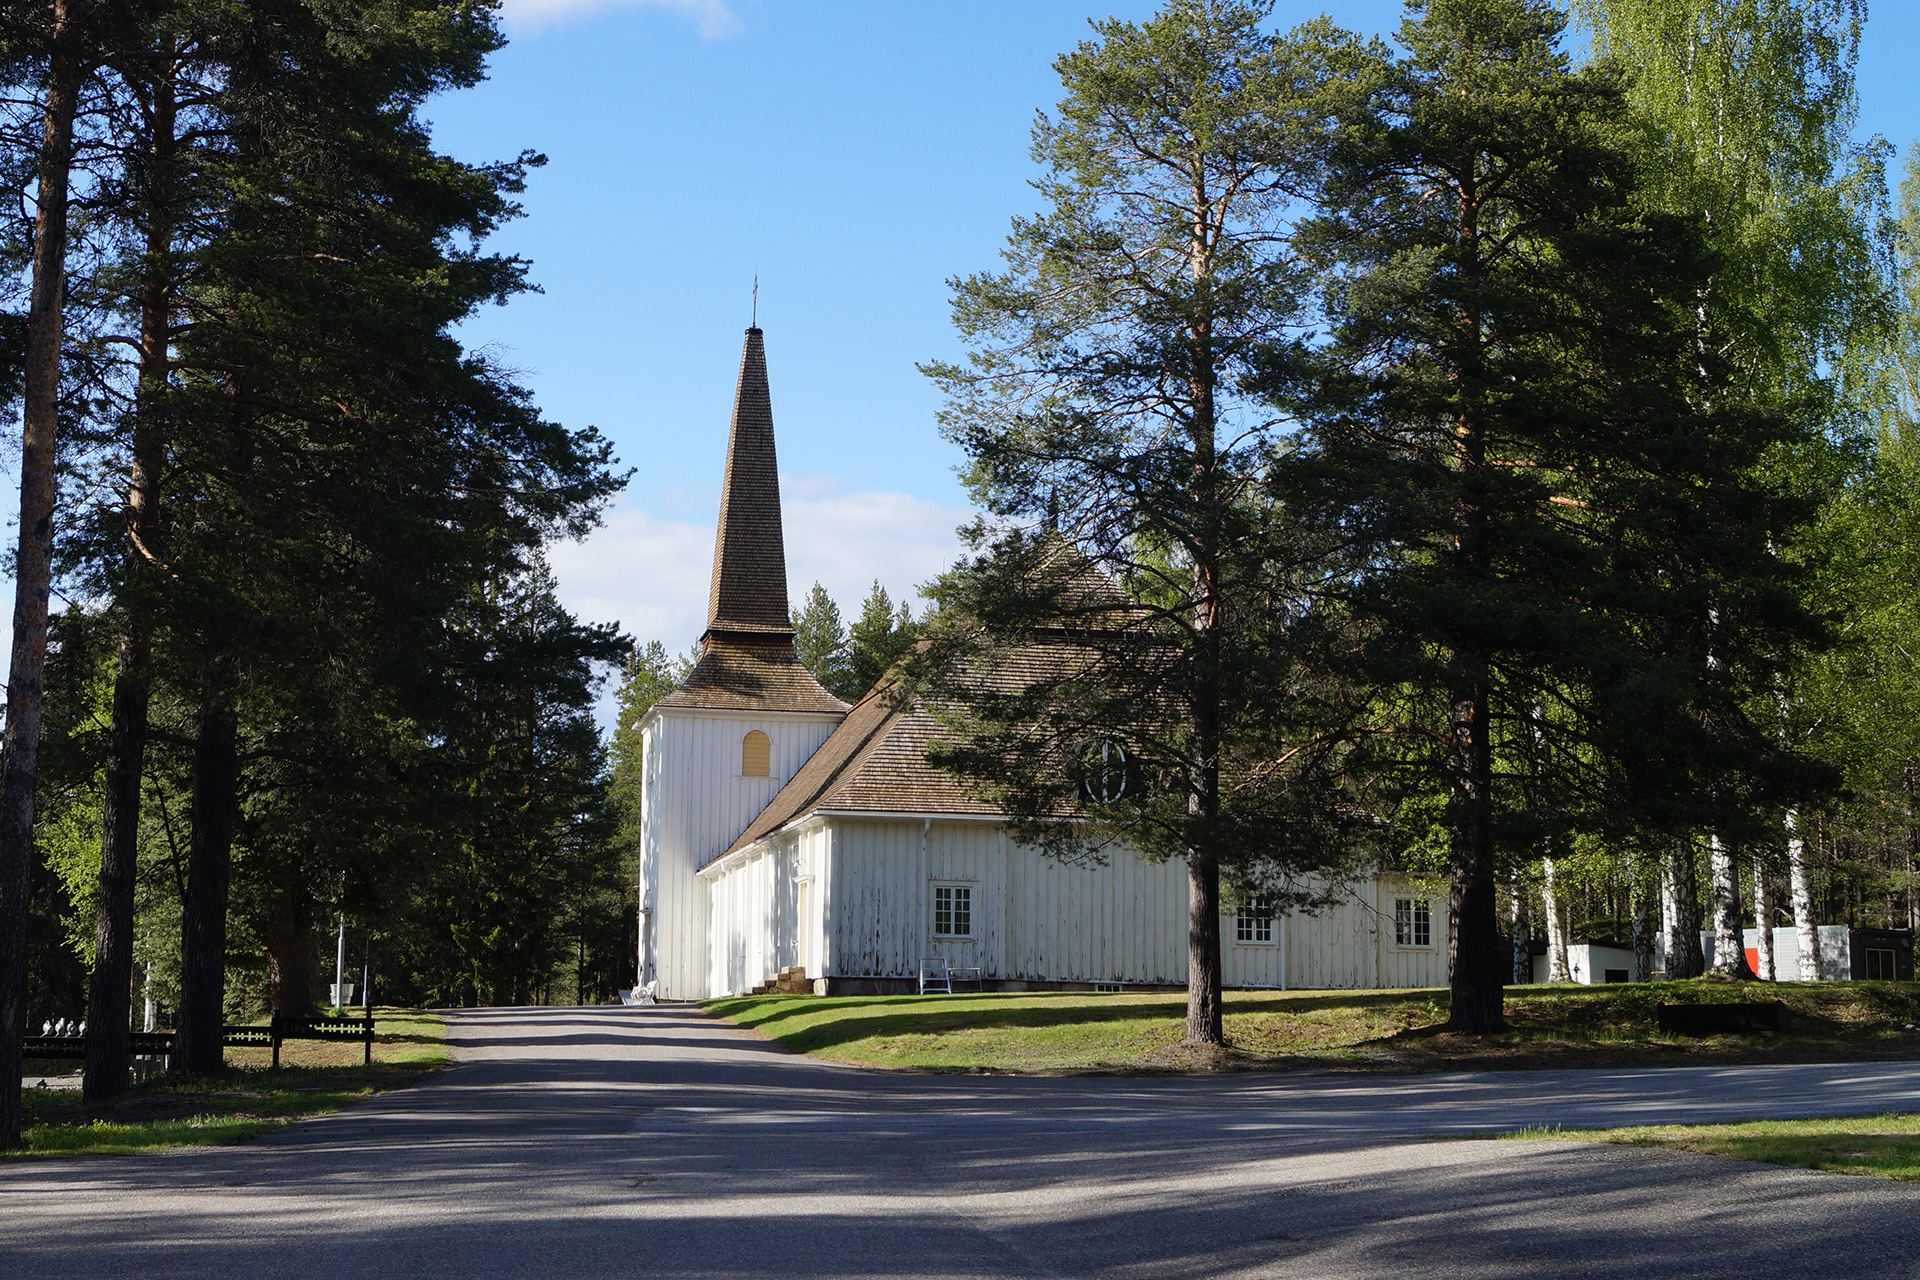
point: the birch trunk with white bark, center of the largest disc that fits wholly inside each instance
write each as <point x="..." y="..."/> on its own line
<point x="1556" y="924"/>
<point x="1729" y="938"/>
<point x="1805" y="928"/>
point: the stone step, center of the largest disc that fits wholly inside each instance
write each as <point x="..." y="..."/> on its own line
<point x="790" y="981"/>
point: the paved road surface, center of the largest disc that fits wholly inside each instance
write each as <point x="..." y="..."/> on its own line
<point x="639" y="1143"/>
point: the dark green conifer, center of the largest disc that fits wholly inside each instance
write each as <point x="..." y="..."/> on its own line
<point x="1550" y="517"/>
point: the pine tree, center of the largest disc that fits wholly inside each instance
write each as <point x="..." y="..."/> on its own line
<point x="1549" y="511"/>
<point x="1749" y="107"/>
<point x="820" y="640"/>
<point x="341" y="472"/>
<point x="523" y="853"/>
<point x="879" y="637"/>
<point x="58" y="45"/>
<point x="1102" y="414"/>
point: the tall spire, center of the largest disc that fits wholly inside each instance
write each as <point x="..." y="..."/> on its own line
<point x="749" y="592"/>
<point x="747" y="661"/>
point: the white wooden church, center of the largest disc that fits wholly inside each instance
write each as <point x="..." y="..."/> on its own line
<point x="782" y="829"/>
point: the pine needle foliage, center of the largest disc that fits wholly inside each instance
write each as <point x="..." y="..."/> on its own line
<point x="1107" y="433"/>
<point x="1549" y="510"/>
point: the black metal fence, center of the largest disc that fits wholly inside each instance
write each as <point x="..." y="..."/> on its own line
<point x="141" y="1044"/>
<point x="159" y="1044"/>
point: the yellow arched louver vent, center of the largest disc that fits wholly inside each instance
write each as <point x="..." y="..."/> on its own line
<point x="756" y="755"/>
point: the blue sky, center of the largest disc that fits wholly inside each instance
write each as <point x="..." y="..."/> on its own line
<point x="854" y="154"/>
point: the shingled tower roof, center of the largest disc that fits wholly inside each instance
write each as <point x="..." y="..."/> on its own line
<point x="749" y="558"/>
<point x="747" y="662"/>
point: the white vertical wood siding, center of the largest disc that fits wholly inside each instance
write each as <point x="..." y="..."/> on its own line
<point x="763" y="911"/>
<point x="877" y="924"/>
<point x="694" y="805"/>
<point x="865" y="887"/>
<point x="1037" y="919"/>
<point x="1121" y="922"/>
<point x="1348" y="944"/>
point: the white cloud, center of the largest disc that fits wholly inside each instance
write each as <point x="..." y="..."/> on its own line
<point x="714" y="19"/>
<point x="650" y="575"/>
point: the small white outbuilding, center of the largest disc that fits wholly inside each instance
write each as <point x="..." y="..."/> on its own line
<point x="1592" y="963"/>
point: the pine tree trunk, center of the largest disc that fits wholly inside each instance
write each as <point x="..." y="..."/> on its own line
<point x="203" y="926"/>
<point x="1204" y="977"/>
<point x="1475" y="990"/>
<point x="33" y="563"/>
<point x="291" y="950"/>
<point x="1729" y="940"/>
<point x="1805" y="925"/>
<point x="1687" y="885"/>
<point x="1762" y="921"/>
<point x="109" y="1007"/>
<point x="1555" y="912"/>
<point x="110" y="996"/>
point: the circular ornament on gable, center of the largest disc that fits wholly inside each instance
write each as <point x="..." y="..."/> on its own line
<point x="1109" y="772"/>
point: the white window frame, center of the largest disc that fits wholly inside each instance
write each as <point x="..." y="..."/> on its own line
<point x="1253" y="923"/>
<point x="1410" y="913"/>
<point x="960" y="895"/>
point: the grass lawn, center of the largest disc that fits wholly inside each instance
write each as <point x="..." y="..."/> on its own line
<point x="248" y="1099"/>
<point x="1552" y="1026"/>
<point x="1883" y="1146"/>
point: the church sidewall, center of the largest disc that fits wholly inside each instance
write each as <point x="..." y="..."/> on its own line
<point x="697" y="802"/>
<point x="1039" y="920"/>
<point x="762" y="910"/>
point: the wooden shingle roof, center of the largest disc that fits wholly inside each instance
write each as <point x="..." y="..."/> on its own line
<point x="749" y="589"/>
<point x="732" y="675"/>
<point x="747" y="662"/>
<point x="874" y="762"/>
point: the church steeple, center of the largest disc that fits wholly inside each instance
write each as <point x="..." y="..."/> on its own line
<point x="749" y="591"/>
<point x="747" y="661"/>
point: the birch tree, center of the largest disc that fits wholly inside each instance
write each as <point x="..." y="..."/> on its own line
<point x="1750" y="104"/>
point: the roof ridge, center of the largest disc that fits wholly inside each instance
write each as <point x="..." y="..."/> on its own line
<point x="797" y="805"/>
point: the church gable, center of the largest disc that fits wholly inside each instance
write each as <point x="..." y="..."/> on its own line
<point x="876" y="760"/>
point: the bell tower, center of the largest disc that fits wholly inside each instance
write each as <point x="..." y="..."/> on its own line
<point x="747" y="716"/>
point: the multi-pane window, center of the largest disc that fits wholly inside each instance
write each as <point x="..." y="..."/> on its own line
<point x="953" y="911"/>
<point x="1880" y="964"/>
<point x="1255" y="921"/>
<point x="1412" y="922"/>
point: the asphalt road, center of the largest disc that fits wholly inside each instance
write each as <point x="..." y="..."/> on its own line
<point x="655" y="1142"/>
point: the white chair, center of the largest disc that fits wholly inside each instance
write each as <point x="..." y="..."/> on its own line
<point x="935" y="976"/>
